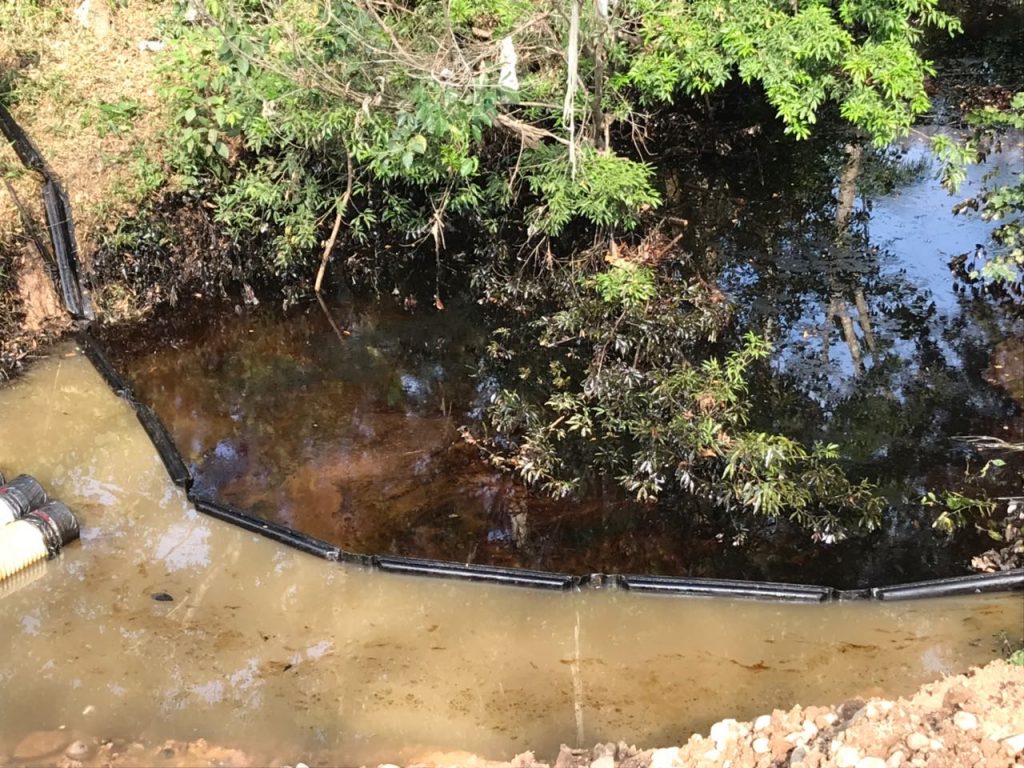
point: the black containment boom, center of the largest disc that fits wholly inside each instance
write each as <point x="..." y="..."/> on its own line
<point x="790" y="593"/>
<point x="58" y="218"/>
<point x="957" y="585"/>
<point x="519" y="577"/>
<point x="164" y="445"/>
<point x="308" y="544"/>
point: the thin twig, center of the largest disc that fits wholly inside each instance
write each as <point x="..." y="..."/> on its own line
<point x="342" y="205"/>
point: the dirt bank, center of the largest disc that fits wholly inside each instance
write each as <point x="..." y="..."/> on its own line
<point x="974" y="720"/>
<point x="80" y="80"/>
<point x="78" y="76"/>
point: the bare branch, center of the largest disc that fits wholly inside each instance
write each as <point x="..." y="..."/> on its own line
<point x="342" y="205"/>
<point x="530" y="134"/>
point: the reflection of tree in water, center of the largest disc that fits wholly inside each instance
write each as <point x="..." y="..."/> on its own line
<point x="351" y="441"/>
<point x="864" y="358"/>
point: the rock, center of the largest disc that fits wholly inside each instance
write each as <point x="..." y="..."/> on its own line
<point x="624" y="750"/>
<point x="965" y="721"/>
<point x="761" y="745"/>
<point x="600" y="750"/>
<point x="527" y="759"/>
<point x="797" y="758"/>
<point x="564" y="759"/>
<point x="989" y="747"/>
<point x="639" y="760"/>
<point x="849" y="708"/>
<point x="825" y="720"/>
<point x="871" y="762"/>
<point x="956" y="696"/>
<point x="780" y="747"/>
<point x="917" y="742"/>
<point x="722" y="733"/>
<point x="1014" y="744"/>
<point x="665" y="758"/>
<point x="39" y="744"/>
<point x="78" y="750"/>
<point x="712" y="755"/>
<point x="895" y="759"/>
<point x="605" y="761"/>
<point x="762" y="722"/>
<point x="847" y="757"/>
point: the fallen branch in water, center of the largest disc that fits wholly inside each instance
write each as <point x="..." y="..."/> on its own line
<point x="990" y="443"/>
<point x="341" y="333"/>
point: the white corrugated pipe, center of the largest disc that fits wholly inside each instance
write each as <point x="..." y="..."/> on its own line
<point x="38" y="535"/>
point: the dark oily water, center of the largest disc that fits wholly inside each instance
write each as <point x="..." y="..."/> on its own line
<point x="354" y="439"/>
<point x="878" y="346"/>
<point x="352" y="436"/>
<point x="348" y="429"/>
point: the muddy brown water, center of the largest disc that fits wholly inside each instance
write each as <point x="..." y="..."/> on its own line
<point x="290" y="657"/>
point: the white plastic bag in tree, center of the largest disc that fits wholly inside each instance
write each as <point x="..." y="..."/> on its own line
<point x="508" y="78"/>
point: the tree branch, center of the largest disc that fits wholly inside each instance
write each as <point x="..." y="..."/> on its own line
<point x="342" y="205"/>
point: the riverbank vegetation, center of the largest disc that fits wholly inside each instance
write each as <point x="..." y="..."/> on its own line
<point x="524" y="152"/>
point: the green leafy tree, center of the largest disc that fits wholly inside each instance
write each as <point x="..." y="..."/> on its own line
<point x="454" y="112"/>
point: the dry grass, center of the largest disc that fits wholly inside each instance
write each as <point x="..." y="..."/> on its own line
<point x="86" y="95"/>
